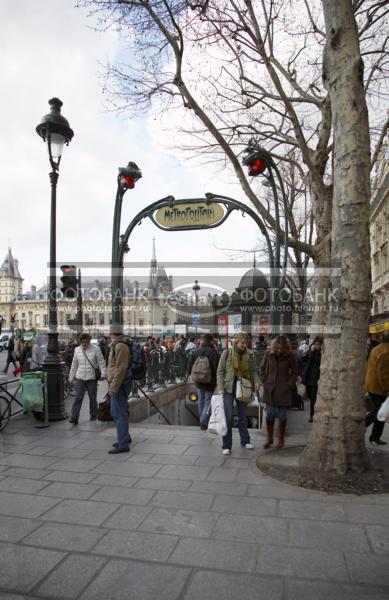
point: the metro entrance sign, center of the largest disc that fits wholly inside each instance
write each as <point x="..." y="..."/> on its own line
<point x="189" y="214"/>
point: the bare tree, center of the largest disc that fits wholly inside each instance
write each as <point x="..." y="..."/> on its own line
<point x="253" y="69"/>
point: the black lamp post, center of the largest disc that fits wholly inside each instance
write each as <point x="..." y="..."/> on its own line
<point x="196" y="289"/>
<point x="55" y="131"/>
<point x="127" y="178"/>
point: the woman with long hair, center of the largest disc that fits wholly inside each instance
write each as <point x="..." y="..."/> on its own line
<point x="279" y="375"/>
<point x="236" y="364"/>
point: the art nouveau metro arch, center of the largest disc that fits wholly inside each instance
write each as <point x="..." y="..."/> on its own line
<point x="190" y="214"/>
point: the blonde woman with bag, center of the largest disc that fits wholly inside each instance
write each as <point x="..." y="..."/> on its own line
<point x="236" y="376"/>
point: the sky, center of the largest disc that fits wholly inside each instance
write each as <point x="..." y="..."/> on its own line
<point x="49" y="49"/>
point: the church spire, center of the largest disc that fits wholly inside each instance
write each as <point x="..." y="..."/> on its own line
<point x="153" y="268"/>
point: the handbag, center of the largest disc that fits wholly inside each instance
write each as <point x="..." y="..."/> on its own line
<point x="96" y="369"/>
<point x="104" y="410"/>
<point x="383" y="413"/>
<point x="217" y="423"/>
<point x="244" y="390"/>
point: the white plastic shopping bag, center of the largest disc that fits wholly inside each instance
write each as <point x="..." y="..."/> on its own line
<point x="217" y="422"/>
<point x="383" y="413"/>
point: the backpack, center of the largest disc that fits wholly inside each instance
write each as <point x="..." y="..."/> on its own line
<point x="137" y="365"/>
<point x="201" y="370"/>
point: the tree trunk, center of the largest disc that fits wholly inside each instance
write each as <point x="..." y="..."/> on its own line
<point x="337" y="439"/>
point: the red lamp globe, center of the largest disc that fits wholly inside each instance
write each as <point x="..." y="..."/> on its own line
<point x="257" y="167"/>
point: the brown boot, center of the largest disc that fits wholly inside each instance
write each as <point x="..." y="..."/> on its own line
<point x="281" y="434"/>
<point x="269" y="433"/>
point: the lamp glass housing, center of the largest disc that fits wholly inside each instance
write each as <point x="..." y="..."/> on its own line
<point x="55" y="144"/>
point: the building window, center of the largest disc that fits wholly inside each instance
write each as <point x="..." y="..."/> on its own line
<point x="102" y="319"/>
<point x="45" y="320"/>
<point x="141" y="322"/>
<point x="37" y="320"/>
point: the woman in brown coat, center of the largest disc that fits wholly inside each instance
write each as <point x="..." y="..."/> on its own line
<point x="278" y="375"/>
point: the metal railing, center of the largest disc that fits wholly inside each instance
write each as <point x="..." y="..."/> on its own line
<point x="164" y="367"/>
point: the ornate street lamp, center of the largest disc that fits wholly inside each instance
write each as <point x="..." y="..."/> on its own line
<point x="55" y="131"/>
<point x="260" y="162"/>
<point x="127" y="178"/>
<point x="196" y="289"/>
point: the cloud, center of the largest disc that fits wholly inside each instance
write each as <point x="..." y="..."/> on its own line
<point x="48" y="51"/>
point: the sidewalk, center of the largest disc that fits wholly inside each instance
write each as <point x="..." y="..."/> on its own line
<point x="174" y="519"/>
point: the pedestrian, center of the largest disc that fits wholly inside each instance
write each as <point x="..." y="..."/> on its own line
<point x="119" y="387"/>
<point x="191" y="345"/>
<point x="69" y="352"/>
<point x="204" y="389"/>
<point x="370" y="344"/>
<point x="19" y="347"/>
<point x="26" y="358"/>
<point x="236" y="363"/>
<point x="38" y="353"/>
<point x="377" y="386"/>
<point x="86" y="360"/>
<point x="11" y="356"/>
<point x="311" y="373"/>
<point x="279" y="375"/>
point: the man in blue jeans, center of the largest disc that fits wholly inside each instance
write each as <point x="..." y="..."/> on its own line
<point x="205" y="389"/>
<point x="119" y="387"/>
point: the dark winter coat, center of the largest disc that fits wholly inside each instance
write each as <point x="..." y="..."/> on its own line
<point x="279" y="376"/>
<point x="213" y="357"/>
<point x="311" y="372"/>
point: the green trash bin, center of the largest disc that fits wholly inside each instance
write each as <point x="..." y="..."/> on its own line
<point x="33" y="398"/>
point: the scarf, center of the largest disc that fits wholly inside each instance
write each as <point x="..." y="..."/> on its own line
<point x="240" y="363"/>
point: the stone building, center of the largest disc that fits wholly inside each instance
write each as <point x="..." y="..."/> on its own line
<point x="145" y="310"/>
<point x="379" y="239"/>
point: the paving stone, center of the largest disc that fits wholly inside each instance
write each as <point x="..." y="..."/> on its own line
<point x="203" y="451"/>
<point x="169" y="459"/>
<point x="326" y="535"/>
<point x="163" y="484"/>
<point x="245" y="506"/>
<point x="222" y="474"/>
<point x="277" y="491"/>
<point x="140" y="581"/>
<point x="114" y="480"/>
<point x="22" y="567"/>
<point x="307" y="590"/>
<point x="23" y="485"/>
<point x="65" y="537"/>
<point x="69" y="477"/>
<point x="80" y="465"/>
<point x="236" y="463"/>
<point x="214" y="554"/>
<point x="379" y="538"/>
<point x="27" y="461"/>
<point x="186" y="500"/>
<point x="128" y="517"/>
<point x="24" y="505"/>
<point x="192" y="440"/>
<point x="251" y="529"/>
<point x="132" y="456"/>
<point x="318" y="511"/>
<point x="180" y="472"/>
<point x="13" y="529"/>
<point x="25" y="473"/>
<point x="299" y="562"/>
<point x="360" y="513"/>
<point x="123" y="495"/>
<point x="219" y="487"/>
<point x="179" y="522"/>
<point x="67" y="452"/>
<point x="147" y="448"/>
<point x="209" y="461"/>
<point x="77" y="491"/>
<point x="71" y="576"/>
<point x="38" y="450"/>
<point x="230" y="586"/>
<point x="368" y="568"/>
<point x="130" y="544"/>
<point x="249" y="476"/>
<point x="128" y="468"/>
<point x="83" y="512"/>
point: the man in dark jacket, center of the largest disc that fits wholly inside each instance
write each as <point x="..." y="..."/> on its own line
<point x="205" y="390"/>
<point x="11" y="356"/>
<point x="311" y="374"/>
